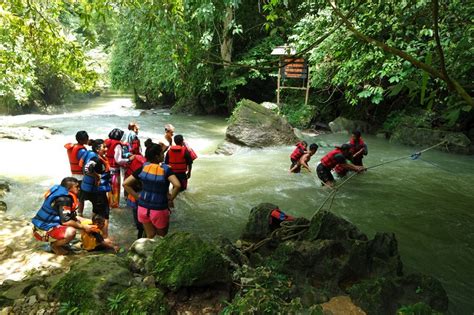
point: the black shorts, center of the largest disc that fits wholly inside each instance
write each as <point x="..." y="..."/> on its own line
<point x="183" y="180"/>
<point x="324" y="173"/>
<point x="293" y="163"/>
<point x="100" y="203"/>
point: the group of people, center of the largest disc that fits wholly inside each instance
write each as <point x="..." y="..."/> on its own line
<point x="336" y="160"/>
<point x="96" y="177"/>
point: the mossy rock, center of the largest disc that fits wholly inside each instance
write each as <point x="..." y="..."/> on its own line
<point x="326" y="225"/>
<point x="185" y="260"/>
<point x="258" y="227"/>
<point x="91" y="281"/>
<point x="253" y="125"/>
<point x="139" y="301"/>
<point x="375" y="296"/>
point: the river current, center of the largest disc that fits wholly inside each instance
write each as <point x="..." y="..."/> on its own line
<point x="427" y="203"/>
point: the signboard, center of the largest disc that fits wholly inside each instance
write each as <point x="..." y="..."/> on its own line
<point x="295" y="68"/>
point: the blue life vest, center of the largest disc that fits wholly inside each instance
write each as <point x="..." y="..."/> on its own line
<point x="89" y="182"/>
<point x="47" y="217"/>
<point x="154" y="178"/>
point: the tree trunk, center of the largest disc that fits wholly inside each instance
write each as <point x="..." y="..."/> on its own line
<point x="227" y="40"/>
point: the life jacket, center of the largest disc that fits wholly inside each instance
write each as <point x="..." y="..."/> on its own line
<point x="135" y="146"/>
<point x="72" y="153"/>
<point x="131" y="201"/>
<point x="297" y="152"/>
<point x="89" y="240"/>
<point x="176" y="159"/>
<point x="277" y="216"/>
<point x="155" y="185"/>
<point x="356" y="146"/>
<point x="329" y="160"/>
<point x="191" y="151"/>
<point x="134" y="165"/>
<point x="89" y="182"/>
<point x="47" y="217"/>
<point x="111" y="144"/>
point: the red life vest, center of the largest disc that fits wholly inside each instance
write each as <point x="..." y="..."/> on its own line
<point x="72" y="150"/>
<point x="356" y="146"/>
<point x="176" y="159"/>
<point x="135" y="164"/>
<point x="111" y="144"/>
<point x="298" y="151"/>
<point x="329" y="160"/>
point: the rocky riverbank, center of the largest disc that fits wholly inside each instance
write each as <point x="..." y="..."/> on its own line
<point x="323" y="266"/>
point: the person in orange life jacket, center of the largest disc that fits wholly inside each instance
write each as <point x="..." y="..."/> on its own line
<point x="117" y="159"/>
<point x="155" y="199"/>
<point x="303" y="161"/>
<point x="167" y="139"/>
<point x="335" y="157"/>
<point x="74" y="154"/>
<point x="57" y="218"/>
<point x="297" y="153"/>
<point x="96" y="182"/>
<point x="358" y="150"/>
<point x="131" y="139"/>
<point x="136" y="164"/>
<point x="94" y="239"/>
<point x="180" y="161"/>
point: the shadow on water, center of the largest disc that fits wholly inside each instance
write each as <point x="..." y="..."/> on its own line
<point x="427" y="205"/>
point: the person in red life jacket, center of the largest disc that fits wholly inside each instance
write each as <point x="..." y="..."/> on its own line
<point x="180" y="161"/>
<point x="57" y="218"/>
<point x="136" y="164"/>
<point x="167" y="139"/>
<point x="358" y="148"/>
<point x="117" y="158"/>
<point x="96" y="182"/>
<point x="74" y="153"/>
<point x="335" y="157"/>
<point x="155" y="199"/>
<point x="297" y="153"/>
<point x="131" y="139"/>
<point x="304" y="159"/>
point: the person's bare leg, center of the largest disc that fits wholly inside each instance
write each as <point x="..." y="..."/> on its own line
<point x="150" y="230"/>
<point x="105" y="229"/>
<point x="162" y="232"/>
<point x="57" y="246"/>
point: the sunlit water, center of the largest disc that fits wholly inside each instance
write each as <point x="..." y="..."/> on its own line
<point x="429" y="207"/>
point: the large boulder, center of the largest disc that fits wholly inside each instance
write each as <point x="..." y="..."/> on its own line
<point x="91" y="281"/>
<point x="184" y="260"/>
<point x="140" y="252"/>
<point x="257" y="226"/>
<point x="253" y="125"/>
<point x="456" y="142"/>
<point x="344" y="125"/>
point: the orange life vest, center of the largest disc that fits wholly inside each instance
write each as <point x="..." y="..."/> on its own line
<point x="176" y="159"/>
<point x="72" y="150"/>
<point x="329" y="160"/>
<point x="111" y="144"/>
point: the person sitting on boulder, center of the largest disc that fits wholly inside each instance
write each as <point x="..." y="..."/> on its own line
<point x="297" y="153"/>
<point x="57" y="218"/>
<point x="336" y="157"/>
<point x="94" y="239"/>
<point x="303" y="160"/>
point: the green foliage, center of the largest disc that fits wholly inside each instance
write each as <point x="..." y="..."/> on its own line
<point x="419" y="119"/>
<point x="265" y="292"/>
<point x="75" y="294"/>
<point x="298" y="114"/>
<point x="417" y="309"/>
<point x="138" y="301"/>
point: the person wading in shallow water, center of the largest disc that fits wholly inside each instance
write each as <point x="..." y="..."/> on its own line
<point x="167" y="139"/>
<point x="57" y="219"/>
<point x="154" y="200"/>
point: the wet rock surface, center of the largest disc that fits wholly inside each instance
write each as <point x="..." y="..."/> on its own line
<point x="27" y="133"/>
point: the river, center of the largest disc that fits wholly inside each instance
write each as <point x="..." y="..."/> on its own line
<point x="427" y="203"/>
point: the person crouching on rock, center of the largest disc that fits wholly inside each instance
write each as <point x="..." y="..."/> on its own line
<point x="154" y="200"/>
<point x="57" y="218"/>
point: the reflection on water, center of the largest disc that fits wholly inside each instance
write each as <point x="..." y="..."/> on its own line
<point x="428" y="205"/>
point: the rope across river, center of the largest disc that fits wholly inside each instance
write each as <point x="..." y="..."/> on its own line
<point x="288" y="229"/>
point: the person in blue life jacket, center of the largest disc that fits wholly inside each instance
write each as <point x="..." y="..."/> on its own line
<point x="96" y="181"/>
<point x="57" y="221"/>
<point x="155" y="199"/>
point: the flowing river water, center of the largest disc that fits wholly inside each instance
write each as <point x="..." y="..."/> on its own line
<point x="427" y="203"/>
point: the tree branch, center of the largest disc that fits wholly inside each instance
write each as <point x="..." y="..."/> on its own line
<point x="397" y="52"/>
<point x="435" y="7"/>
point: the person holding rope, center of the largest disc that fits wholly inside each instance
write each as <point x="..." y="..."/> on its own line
<point x="337" y="157"/>
<point x="358" y="150"/>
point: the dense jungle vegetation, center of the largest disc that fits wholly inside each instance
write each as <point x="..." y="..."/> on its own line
<point x="375" y="60"/>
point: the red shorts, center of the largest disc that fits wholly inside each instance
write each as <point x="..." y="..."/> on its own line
<point x="159" y="218"/>
<point x="58" y="232"/>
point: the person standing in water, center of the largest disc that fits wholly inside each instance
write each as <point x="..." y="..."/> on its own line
<point x="131" y="139"/>
<point x="336" y="157"/>
<point x="57" y="219"/>
<point x="303" y="160"/>
<point x="167" y="139"/>
<point x="155" y="200"/>
<point x="297" y="153"/>
<point x="117" y="159"/>
<point x="358" y="150"/>
<point x="74" y="153"/>
<point x="180" y="161"/>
